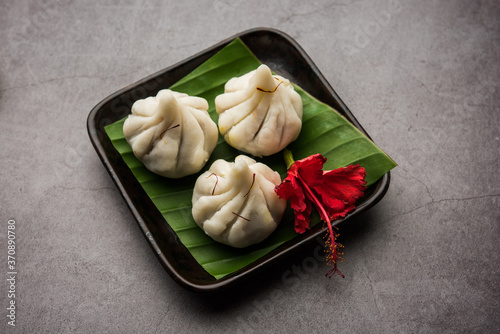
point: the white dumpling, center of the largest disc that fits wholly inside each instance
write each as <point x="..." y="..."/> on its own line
<point x="259" y="113"/>
<point x="171" y="133"/>
<point x="235" y="203"/>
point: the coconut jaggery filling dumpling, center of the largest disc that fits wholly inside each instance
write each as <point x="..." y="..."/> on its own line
<point x="235" y="203"/>
<point x="259" y="113"/>
<point x="171" y="133"/>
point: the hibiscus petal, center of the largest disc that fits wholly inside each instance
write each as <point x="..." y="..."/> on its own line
<point x="340" y="188"/>
<point x="303" y="218"/>
<point x="289" y="189"/>
<point x="310" y="169"/>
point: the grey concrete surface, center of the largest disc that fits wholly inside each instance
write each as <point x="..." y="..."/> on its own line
<point x="421" y="76"/>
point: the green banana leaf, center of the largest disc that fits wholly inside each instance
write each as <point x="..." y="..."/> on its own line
<point x="324" y="131"/>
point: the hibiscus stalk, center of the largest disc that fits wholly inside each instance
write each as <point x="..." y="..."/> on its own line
<point x="288" y="156"/>
<point x="332" y="245"/>
<point x="333" y="193"/>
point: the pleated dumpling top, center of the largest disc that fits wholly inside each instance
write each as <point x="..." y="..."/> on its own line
<point x="259" y="113"/>
<point x="235" y="203"/>
<point x="171" y="133"/>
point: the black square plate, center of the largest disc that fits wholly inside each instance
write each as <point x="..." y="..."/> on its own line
<point x="282" y="54"/>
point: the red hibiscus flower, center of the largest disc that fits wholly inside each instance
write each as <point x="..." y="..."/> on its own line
<point x="333" y="193"/>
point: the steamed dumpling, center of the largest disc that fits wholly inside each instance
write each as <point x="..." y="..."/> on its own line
<point x="235" y="203"/>
<point x="171" y="133"/>
<point x="259" y="113"/>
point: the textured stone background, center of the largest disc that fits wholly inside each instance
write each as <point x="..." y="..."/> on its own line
<point x="421" y="76"/>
